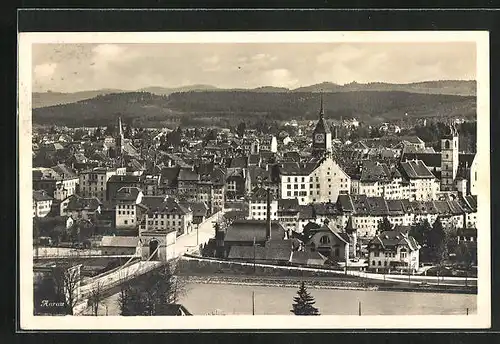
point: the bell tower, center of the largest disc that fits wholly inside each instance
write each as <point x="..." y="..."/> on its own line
<point x="449" y="158"/>
<point x="322" y="136"/>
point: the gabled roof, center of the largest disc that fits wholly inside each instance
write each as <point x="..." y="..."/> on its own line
<point x="326" y="228"/>
<point x="260" y="253"/>
<point x="416" y="169"/>
<point x="429" y="159"/>
<point x="254" y="159"/>
<point x="169" y="175"/>
<point x="64" y="171"/>
<point x="198" y="208"/>
<point x="188" y="175"/>
<point x="373" y="171"/>
<point x="41" y="195"/>
<point x="260" y="195"/>
<point x="288" y="204"/>
<point x="389" y="240"/>
<point x="239" y="162"/>
<point x="297" y="169"/>
<point x="152" y="202"/>
<point x="80" y="203"/>
<point x="124" y="179"/>
<point x="127" y="194"/>
<point x="308" y="258"/>
<point x="247" y="230"/>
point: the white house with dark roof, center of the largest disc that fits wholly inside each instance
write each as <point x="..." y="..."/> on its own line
<point x="167" y="215"/>
<point x="126" y="209"/>
<point x="422" y="183"/>
<point x="257" y="205"/>
<point x="393" y="249"/>
<point x="42" y="203"/>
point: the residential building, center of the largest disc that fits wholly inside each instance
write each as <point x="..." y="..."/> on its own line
<point x="93" y="183"/>
<point x="42" y="203"/>
<point x="127" y="212"/>
<point x="116" y="182"/>
<point x="167" y="215"/>
<point x="392" y="250"/>
<point x="81" y="208"/>
<point x="257" y="205"/>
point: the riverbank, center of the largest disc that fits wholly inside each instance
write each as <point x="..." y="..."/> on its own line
<point x="279" y="282"/>
<point x="324" y="283"/>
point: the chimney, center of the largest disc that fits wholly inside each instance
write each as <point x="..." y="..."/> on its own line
<point x="268" y="220"/>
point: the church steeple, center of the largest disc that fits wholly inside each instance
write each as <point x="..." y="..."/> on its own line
<point x="321" y="109"/>
<point x="120" y="138"/>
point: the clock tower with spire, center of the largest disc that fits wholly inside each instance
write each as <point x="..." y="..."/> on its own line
<point x="322" y="135"/>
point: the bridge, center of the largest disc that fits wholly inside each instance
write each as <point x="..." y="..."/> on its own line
<point x="112" y="279"/>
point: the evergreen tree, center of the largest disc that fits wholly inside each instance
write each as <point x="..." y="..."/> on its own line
<point x="304" y="302"/>
<point x="420" y="232"/>
<point x="436" y="241"/>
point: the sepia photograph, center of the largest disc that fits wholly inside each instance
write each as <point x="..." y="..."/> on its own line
<point x="258" y="176"/>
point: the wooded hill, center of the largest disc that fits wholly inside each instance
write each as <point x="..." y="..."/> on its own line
<point x="145" y="108"/>
<point x="449" y="87"/>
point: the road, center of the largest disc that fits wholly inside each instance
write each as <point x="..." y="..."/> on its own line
<point x="190" y="242"/>
<point x="417" y="279"/>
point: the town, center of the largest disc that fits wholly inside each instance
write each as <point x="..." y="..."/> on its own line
<point x="334" y="194"/>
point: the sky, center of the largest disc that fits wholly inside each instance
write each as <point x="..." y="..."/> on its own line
<point x="81" y="67"/>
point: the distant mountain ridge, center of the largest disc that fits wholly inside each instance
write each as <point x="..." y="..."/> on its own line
<point x="444" y="87"/>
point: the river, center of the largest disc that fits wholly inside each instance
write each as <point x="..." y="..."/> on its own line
<point x="202" y="299"/>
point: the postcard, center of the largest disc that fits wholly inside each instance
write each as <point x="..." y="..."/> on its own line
<point x="174" y="178"/>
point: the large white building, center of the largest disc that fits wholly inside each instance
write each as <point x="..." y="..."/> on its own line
<point x="165" y="214"/>
<point x="410" y="180"/>
<point x="313" y="182"/>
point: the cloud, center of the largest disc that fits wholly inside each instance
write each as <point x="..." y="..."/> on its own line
<point x="280" y="78"/>
<point x="76" y="67"/>
<point x="45" y="70"/>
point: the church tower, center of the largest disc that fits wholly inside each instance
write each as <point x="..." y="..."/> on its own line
<point x="449" y="159"/>
<point x="120" y="139"/>
<point x="322" y="136"/>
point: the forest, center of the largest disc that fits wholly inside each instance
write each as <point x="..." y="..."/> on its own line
<point x="216" y="107"/>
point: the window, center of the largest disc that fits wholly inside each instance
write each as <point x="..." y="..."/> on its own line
<point x="447" y="144"/>
<point x="376" y="254"/>
<point x="324" y="240"/>
<point x="373" y="262"/>
<point x="289" y="193"/>
<point x="403" y="255"/>
<point x="379" y="263"/>
<point x="288" y="186"/>
<point x="125" y="222"/>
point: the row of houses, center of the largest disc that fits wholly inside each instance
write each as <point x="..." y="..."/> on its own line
<point x="366" y="211"/>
